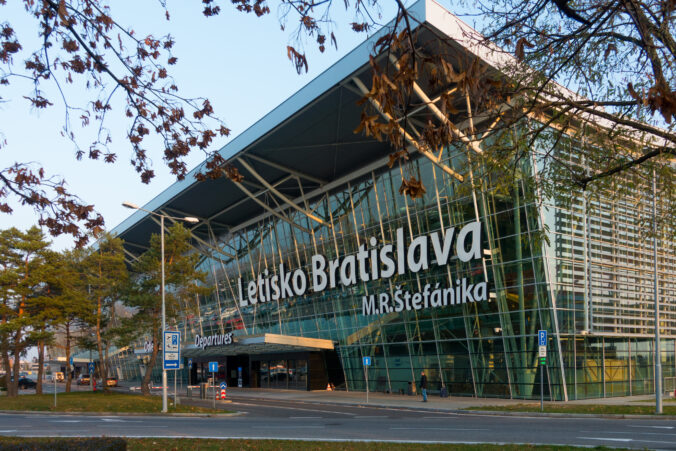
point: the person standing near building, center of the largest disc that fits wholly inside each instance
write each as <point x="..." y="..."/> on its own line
<point x="423" y="385"/>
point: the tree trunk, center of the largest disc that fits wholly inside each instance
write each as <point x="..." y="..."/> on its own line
<point x="5" y="364"/>
<point x="69" y="377"/>
<point x="41" y="364"/>
<point x="13" y="387"/>
<point x="103" y="367"/>
<point x="145" y="389"/>
<point x="105" y="358"/>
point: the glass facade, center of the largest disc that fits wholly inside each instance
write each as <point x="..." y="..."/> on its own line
<point x="580" y="269"/>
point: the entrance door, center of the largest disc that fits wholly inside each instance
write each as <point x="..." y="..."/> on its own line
<point x="279" y="374"/>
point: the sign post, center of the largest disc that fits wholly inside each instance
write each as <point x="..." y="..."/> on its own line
<point x="171" y="349"/>
<point x="213" y="369"/>
<point x="542" y="354"/>
<point x="239" y="377"/>
<point x="190" y="371"/>
<point x="367" y="364"/>
<point x="92" y="386"/>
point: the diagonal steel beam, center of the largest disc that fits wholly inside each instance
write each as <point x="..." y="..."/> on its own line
<point x="281" y="167"/>
<point x="132" y="256"/>
<point x="280" y="195"/>
<point x="266" y="206"/>
<point x="140" y="246"/>
<point x="441" y="116"/>
<point x="424" y="150"/>
<point x="198" y="239"/>
<point x="241" y="201"/>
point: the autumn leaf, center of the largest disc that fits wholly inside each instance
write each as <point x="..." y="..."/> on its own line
<point x="519" y="52"/>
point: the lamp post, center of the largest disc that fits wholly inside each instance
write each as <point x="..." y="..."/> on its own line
<point x="191" y="220"/>
<point x="658" y="354"/>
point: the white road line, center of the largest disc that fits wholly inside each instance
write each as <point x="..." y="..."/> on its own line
<point x="305" y="418"/>
<point x="661" y="434"/>
<point x="654" y="427"/>
<point x="291" y="408"/>
<point x="65" y="421"/>
<point x="369" y="416"/>
<point x="437" y="429"/>
<point x="132" y="426"/>
<point x="288" y="427"/>
<point x="8" y="431"/>
<point x="610" y="439"/>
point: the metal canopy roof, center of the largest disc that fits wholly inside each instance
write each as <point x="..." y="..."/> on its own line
<point x="307" y="144"/>
<point x="261" y="344"/>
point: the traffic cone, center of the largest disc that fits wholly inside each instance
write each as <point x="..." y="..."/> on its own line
<point x="328" y="387"/>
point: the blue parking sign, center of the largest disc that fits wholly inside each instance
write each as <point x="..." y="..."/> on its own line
<point x="213" y="367"/>
<point x="542" y="337"/>
<point x="171" y="350"/>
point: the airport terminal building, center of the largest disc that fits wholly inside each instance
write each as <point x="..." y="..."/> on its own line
<point x="317" y="260"/>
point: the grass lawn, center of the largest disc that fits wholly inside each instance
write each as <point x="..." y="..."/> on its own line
<point x="580" y="408"/>
<point x="274" y="445"/>
<point x="294" y="445"/>
<point x="96" y="402"/>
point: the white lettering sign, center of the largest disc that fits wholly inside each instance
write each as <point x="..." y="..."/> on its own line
<point x="373" y="263"/>
<point x="213" y="340"/>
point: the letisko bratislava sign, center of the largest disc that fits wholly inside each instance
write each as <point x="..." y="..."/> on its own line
<point x="375" y="263"/>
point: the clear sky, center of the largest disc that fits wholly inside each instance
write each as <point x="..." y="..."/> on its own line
<point x="236" y="60"/>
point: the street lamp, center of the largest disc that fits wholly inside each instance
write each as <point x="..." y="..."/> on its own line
<point x="191" y="220"/>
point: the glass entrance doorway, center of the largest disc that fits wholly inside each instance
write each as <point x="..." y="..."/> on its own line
<point x="283" y="373"/>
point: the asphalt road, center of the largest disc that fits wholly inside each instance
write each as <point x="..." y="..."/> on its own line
<point x="267" y="419"/>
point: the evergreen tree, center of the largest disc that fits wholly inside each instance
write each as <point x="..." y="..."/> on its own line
<point x="22" y="255"/>
<point x="144" y="294"/>
<point x="103" y="277"/>
<point x="44" y="308"/>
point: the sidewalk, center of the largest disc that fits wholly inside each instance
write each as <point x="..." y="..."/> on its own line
<point x="403" y="401"/>
<point x="435" y="402"/>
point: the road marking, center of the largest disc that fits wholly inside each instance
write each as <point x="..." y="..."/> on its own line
<point x="655" y="427"/>
<point x="369" y="416"/>
<point x="305" y="418"/>
<point x="8" y="431"/>
<point x="661" y="434"/>
<point x="610" y="439"/>
<point x="65" y="421"/>
<point x="287" y="427"/>
<point x="437" y="429"/>
<point x="113" y="420"/>
<point x="291" y="408"/>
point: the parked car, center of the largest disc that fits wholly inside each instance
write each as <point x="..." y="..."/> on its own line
<point x="111" y="382"/>
<point x="83" y="380"/>
<point x="25" y="383"/>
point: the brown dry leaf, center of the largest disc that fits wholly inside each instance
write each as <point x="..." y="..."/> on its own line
<point x="519" y="52"/>
<point x="412" y="187"/>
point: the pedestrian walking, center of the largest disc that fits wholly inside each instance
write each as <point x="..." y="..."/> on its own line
<point x="423" y="385"/>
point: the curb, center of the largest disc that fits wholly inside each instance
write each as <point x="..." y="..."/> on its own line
<point x="494" y="412"/>
<point x="119" y="414"/>
<point x="616" y="416"/>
